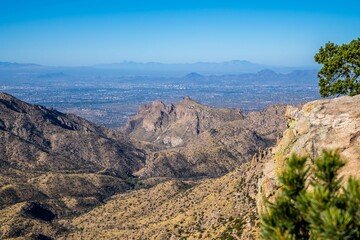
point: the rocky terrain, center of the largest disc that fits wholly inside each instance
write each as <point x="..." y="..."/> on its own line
<point x="56" y="166"/>
<point x="208" y="209"/>
<point x="173" y="125"/>
<point x="65" y="178"/>
<point x="225" y="208"/>
<point x="190" y="138"/>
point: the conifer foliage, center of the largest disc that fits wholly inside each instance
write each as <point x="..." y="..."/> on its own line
<point x="340" y="74"/>
<point x="313" y="203"/>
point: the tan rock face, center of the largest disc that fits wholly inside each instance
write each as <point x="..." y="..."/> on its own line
<point x="324" y="124"/>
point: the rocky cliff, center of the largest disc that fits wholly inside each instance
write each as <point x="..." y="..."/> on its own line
<point x="324" y="124"/>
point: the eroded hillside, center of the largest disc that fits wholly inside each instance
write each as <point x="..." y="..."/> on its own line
<point x="58" y="162"/>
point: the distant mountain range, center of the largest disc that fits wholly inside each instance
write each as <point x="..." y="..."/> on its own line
<point x="261" y="77"/>
<point x="160" y="69"/>
<point x="206" y="68"/>
<point x="14" y="64"/>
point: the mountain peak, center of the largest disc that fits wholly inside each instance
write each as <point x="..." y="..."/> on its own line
<point x="194" y="76"/>
<point x="187" y="99"/>
<point x="267" y="72"/>
<point x="238" y="62"/>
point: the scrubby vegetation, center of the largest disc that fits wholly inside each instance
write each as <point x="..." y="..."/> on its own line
<point x="313" y="202"/>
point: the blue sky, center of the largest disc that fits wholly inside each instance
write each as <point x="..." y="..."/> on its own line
<point x="88" y="32"/>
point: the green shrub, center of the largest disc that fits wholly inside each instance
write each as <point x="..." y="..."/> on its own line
<point x="312" y="203"/>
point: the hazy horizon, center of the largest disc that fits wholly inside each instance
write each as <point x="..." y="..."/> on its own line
<point x="312" y="66"/>
<point x="83" y="33"/>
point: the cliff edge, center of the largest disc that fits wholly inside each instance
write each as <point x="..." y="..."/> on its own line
<point x="324" y="124"/>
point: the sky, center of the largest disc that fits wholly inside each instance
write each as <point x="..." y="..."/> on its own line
<point x="78" y="33"/>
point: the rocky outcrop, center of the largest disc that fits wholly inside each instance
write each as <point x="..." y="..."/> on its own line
<point x="324" y="124"/>
<point x="200" y="141"/>
<point x="174" y="124"/>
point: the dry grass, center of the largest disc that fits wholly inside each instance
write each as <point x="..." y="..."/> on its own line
<point x="177" y="210"/>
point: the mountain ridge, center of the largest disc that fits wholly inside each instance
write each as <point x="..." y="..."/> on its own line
<point x="190" y="137"/>
<point x="156" y="68"/>
<point x="47" y="131"/>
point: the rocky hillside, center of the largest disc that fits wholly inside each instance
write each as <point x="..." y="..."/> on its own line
<point x="59" y="163"/>
<point x="55" y="166"/>
<point x="193" y="140"/>
<point x="222" y="208"/>
<point x="324" y="124"/>
<point x="40" y="139"/>
<point x="173" y="125"/>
